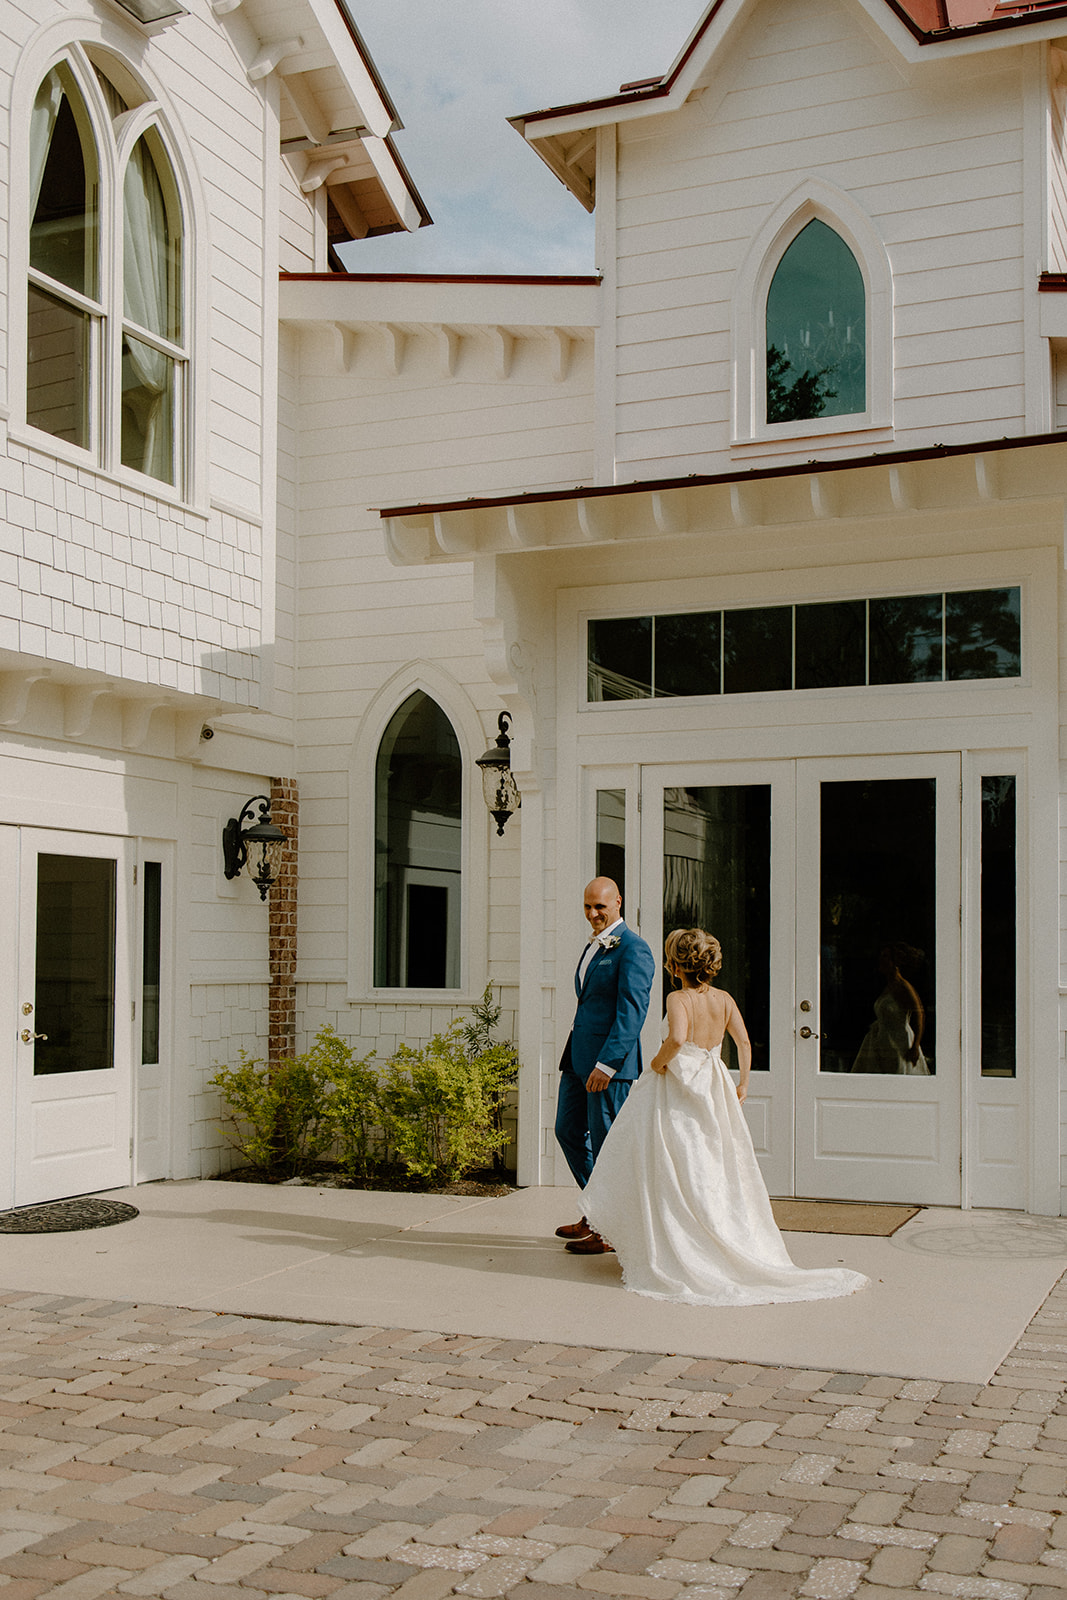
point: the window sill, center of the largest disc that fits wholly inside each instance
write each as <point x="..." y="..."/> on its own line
<point x="785" y="436"/>
<point x="453" y="999"/>
<point x="133" y="483"/>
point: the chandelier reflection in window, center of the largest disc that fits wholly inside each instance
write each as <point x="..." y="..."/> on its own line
<point x="816" y="330"/>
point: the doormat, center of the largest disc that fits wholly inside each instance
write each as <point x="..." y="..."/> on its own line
<point x="841" y="1216"/>
<point x="66" y="1216"/>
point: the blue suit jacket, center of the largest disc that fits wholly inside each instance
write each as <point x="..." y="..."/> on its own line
<point x="612" y="1004"/>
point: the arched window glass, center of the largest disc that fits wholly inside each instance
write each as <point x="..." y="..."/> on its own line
<point x="418" y="850"/>
<point x="64" y="184"/>
<point x="151" y="294"/>
<point x="62" y="323"/>
<point x="107" y="356"/>
<point x="816" y="330"/>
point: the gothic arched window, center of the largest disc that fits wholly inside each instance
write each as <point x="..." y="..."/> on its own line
<point x="106" y="316"/>
<point x="418" y="835"/>
<point x="816" y="329"/>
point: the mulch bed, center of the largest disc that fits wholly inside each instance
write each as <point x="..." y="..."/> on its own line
<point x="485" y="1187"/>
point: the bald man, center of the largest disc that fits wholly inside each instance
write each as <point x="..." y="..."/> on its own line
<point x="602" y="1056"/>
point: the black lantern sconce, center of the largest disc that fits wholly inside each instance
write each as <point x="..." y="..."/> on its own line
<point x="262" y="834"/>
<point x="498" y="783"/>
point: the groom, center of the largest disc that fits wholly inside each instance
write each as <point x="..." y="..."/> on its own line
<point x="602" y="1056"/>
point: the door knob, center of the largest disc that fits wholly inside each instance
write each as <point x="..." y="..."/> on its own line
<point x="806" y="1033"/>
<point x="805" y="1005"/>
<point x="27" y="1035"/>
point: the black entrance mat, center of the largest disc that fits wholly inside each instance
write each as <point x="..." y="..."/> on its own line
<point x="66" y="1216"/>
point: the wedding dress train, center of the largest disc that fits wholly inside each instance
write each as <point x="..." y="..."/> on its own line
<point x="677" y="1190"/>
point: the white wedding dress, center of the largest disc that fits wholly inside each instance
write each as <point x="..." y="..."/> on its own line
<point x="677" y="1190"/>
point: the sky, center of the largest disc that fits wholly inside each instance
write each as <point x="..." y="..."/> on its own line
<point x="456" y="70"/>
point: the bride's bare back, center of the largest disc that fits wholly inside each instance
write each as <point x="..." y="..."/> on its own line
<point x="702" y="1016"/>
<point x="709" y="1011"/>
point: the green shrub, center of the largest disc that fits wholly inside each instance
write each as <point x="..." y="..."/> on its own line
<point x="355" y="1110"/>
<point x="279" y="1120"/>
<point x="442" y="1103"/>
<point x="435" y="1111"/>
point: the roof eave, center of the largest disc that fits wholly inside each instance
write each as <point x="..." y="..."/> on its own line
<point x="706" y="504"/>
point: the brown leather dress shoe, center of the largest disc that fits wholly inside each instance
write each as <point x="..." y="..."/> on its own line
<point x="594" y="1245"/>
<point x="574" y="1230"/>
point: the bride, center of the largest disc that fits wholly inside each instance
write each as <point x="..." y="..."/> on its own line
<point x="676" y="1187"/>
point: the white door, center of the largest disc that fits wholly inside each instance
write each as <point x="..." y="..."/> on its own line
<point x="70" y="1009"/>
<point x="807" y="872"/>
<point x="717" y="851"/>
<point x="878" y="952"/>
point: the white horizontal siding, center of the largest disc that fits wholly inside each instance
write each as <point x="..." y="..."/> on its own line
<point x="936" y="165"/>
<point x="296" y="224"/>
<point x="419" y="434"/>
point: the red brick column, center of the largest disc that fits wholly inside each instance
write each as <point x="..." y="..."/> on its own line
<point x="285" y="812"/>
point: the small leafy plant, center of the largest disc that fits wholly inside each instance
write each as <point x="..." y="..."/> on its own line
<point x="360" y="1141"/>
<point x="434" y="1112"/>
<point x="279" y="1120"/>
<point x="442" y="1103"/>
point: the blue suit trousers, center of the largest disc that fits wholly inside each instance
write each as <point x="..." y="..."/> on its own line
<point x="583" y="1120"/>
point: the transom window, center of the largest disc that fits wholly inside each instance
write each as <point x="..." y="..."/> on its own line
<point x="899" y="639"/>
<point x="816" y="349"/>
<point x="105" y="306"/>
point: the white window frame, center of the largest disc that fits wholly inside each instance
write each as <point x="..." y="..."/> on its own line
<point x="474" y="859"/>
<point x="114" y="142"/>
<point x="824" y="202"/>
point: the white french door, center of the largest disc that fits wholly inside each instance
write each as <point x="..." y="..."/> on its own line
<point x="834" y="888"/>
<point x="68" y="998"/>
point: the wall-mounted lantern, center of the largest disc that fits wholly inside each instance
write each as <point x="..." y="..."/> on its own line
<point x="501" y="792"/>
<point x="261" y="840"/>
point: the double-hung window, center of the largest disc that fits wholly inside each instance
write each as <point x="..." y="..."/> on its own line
<point x="107" y="355"/>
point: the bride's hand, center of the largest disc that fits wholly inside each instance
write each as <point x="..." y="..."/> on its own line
<point x="662" y="1070"/>
<point x="742" y="1092"/>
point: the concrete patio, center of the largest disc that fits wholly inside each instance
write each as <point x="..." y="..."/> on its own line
<point x="950" y="1293"/>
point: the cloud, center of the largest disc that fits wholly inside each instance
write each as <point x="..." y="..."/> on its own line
<point x="456" y="73"/>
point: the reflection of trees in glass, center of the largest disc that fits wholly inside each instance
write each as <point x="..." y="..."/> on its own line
<point x="905" y="639"/>
<point x="805" y="397"/>
<point x="758" y="649"/>
<point x="687" y="650"/>
<point x="982" y="634"/>
<point x="816" y="330"/>
<point x="831" y="642"/>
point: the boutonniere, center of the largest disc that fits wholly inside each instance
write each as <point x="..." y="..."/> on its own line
<point x="611" y="942"/>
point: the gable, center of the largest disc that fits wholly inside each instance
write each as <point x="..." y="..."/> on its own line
<point x="914" y="31"/>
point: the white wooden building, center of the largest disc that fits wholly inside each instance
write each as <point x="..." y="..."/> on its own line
<point x="757" y="533"/>
<point x="787" y="659"/>
<point x="160" y="165"/>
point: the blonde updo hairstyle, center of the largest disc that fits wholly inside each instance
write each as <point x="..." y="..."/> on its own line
<point x="693" y="953"/>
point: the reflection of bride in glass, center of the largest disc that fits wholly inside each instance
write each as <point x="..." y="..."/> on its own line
<point x="893" y="1042"/>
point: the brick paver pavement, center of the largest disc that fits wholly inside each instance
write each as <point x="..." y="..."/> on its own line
<point x="195" y="1456"/>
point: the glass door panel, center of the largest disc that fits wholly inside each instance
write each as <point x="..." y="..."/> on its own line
<point x="75" y="966"/>
<point x="73" y="1068"/>
<point x="878" y="926"/>
<point x="878" y="979"/>
<point x="716" y="853"/>
<point x="717" y="876"/>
